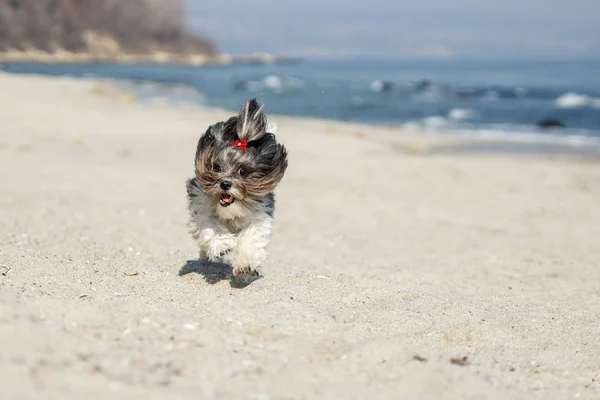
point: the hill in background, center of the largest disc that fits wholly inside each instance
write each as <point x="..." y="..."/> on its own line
<point x="101" y="30"/>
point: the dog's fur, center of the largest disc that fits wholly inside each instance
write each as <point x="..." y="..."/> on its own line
<point x="230" y="199"/>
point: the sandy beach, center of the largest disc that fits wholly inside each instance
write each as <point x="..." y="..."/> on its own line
<point x="394" y="272"/>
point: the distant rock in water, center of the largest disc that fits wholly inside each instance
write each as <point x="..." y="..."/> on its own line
<point x="240" y="85"/>
<point x="423" y="84"/>
<point x="98" y="29"/>
<point x="466" y="94"/>
<point x="550" y="124"/>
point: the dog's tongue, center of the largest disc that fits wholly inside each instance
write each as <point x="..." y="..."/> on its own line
<point x="227" y="199"/>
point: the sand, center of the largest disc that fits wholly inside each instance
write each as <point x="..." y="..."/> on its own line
<point x="388" y="262"/>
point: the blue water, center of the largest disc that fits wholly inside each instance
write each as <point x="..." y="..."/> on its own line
<point x="505" y="97"/>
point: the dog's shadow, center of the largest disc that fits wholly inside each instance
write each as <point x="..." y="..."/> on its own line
<point x="215" y="272"/>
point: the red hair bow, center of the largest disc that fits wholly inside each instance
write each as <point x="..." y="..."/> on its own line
<point x="240" y="144"/>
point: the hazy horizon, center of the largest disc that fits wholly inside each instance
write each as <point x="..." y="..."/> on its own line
<point x="430" y="29"/>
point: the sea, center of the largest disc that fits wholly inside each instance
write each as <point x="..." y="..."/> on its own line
<point x="503" y="99"/>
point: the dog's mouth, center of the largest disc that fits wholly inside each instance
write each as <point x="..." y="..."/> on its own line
<point x="225" y="199"/>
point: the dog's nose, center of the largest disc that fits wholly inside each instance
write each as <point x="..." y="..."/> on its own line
<point x="225" y="185"/>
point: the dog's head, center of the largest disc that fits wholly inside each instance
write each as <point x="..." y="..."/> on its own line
<point x="238" y="160"/>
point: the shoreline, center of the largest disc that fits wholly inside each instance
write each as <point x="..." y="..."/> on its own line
<point x="165" y="58"/>
<point x="408" y="138"/>
<point x="425" y="140"/>
<point x="553" y="142"/>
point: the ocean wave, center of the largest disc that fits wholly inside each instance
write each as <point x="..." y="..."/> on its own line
<point x="513" y="133"/>
<point x="431" y="95"/>
<point x="576" y="100"/>
<point x="434" y="121"/>
<point x="163" y="93"/>
<point x="461" y="114"/>
<point x="273" y="83"/>
<point x="452" y="120"/>
<point x="454" y="99"/>
<point x="431" y="122"/>
<point x="380" y="86"/>
<point x="520" y="92"/>
<point x="524" y="135"/>
<point x="491" y="95"/>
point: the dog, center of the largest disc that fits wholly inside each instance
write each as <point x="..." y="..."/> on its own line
<point x="231" y="200"/>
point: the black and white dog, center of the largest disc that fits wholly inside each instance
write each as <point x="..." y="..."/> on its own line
<point x="231" y="202"/>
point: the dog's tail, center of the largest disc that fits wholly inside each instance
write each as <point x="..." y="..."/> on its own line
<point x="252" y="122"/>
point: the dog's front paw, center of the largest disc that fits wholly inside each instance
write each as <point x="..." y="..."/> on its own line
<point x="245" y="266"/>
<point x="244" y="271"/>
<point x="219" y="246"/>
<point x="248" y="260"/>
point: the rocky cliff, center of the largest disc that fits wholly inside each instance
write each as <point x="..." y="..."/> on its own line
<point x="88" y="30"/>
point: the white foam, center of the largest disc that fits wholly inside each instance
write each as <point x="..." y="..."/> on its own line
<point x="576" y="100"/>
<point x="377" y="86"/>
<point x="460" y="114"/>
<point x="507" y="133"/>
<point x="571" y="100"/>
<point x="273" y="82"/>
<point x="435" y="121"/>
<point x="523" y="135"/>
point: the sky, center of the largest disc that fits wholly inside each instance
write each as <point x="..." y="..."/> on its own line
<point x="422" y="29"/>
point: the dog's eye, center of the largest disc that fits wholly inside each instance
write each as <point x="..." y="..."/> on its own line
<point x="217" y="168"/>
<point x="243" y="172"/>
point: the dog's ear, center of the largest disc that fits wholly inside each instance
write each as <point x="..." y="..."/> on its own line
<point x="217" y="134"/>
<point x="206" y="140"/>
